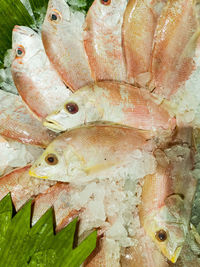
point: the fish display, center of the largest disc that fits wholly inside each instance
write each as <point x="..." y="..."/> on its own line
<point x="64" y="28"/>
<point x="125" y="155"/>
<point x="112" y="102"/>
<point x="36" y="80"/>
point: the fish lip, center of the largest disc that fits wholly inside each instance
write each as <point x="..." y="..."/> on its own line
<point x="176" y="254"/>
<point x="53" y="125"/>
<point x="33" y="174"/>
<point x="19" y="29"/>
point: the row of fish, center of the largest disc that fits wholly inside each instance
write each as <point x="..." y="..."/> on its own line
<point x="100" y="71"/>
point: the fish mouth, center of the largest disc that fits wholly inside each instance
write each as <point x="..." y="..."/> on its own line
<point x="176" y="254"/>
<point x="53" y="125"/>
<point x="33" y="174"/>
<point x="23" y="30"/>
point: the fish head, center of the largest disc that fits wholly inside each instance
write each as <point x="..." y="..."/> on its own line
<point x="109" y="11"/>
<point x="82" y="107"/>
<point x="50" y="164"/>
<point x="59" y="162"/>
<point x="26" y="43"/>
<point x="168" y="228"/>
<point x="58" y="13"/>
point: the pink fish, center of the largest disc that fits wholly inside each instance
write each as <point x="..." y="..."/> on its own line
<point x="174" y="46"/>
<point x="37" y="82"/>
<point x="138" y="32"/>
<point x="167" y="197"/>
<point x="114" y="102"/>
<point x="103" y="41"/>
<point x="62" y="39"/>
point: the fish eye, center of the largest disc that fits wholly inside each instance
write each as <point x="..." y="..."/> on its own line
<point x="55" y="16"/>
<point x="20" y="51"/>
<point x="105" y="2"/>
<point x="51" y="159"/>
<point x="161" y="235"/>
<point x="72" y="108"/>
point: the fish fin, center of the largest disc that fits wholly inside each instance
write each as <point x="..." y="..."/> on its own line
<point x="99" y="167"/>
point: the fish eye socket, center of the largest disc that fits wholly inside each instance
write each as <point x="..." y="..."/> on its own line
<point x="20" y="51"/>
<point x="55" y="16"/>
<point x="51" y="159"/>
<point x="161" y="235"/>
<point x="72" y="108"/>
<point x="105" y="2"/>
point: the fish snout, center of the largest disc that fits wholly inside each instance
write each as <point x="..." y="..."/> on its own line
<point x="53" y="125"/>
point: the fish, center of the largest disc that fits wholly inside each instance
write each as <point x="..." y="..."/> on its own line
<point x="62" y="38"/>
<point x="167" y="197"/>
<point x="18" y="124"/>
<point x="21" y="186"/>
<point x="112" y="102"/>
<point x="91" y="152"/>
<point x="175" y="40"/>
<point x="37" y="82"/>
<point x="103" y="38"/>
<point x="138" y="29"/>
<point x="15" y="154"/>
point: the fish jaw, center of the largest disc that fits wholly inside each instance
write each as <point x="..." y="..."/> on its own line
<point x="61" y="120"/>
<point x="53" y="124"/>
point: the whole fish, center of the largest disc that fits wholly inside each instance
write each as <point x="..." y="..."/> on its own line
<point x="103" y="41"/>
<point x="21" y="186"/>
<point x="15" y="154"/>
<point x="17" y="123"/>
<point x="62" y="39"/>
<point x="91" y="152"/>
<point x="114" y="102"/>
<point x="37" y="82"/>
<point x="167" y="198"/>
<point x="137" y="37"/>
<point x="174" y="46"/>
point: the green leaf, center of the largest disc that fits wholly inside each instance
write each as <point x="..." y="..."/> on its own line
<point x="11" y="13"/>
<point x="22" y="245"/>
<point x="6" y="210"/>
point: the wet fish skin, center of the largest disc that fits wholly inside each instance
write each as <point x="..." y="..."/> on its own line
<point x="102" y="40"/>
<point x="68" y="55"/>
<point x="37" y="82"/>
<point x="172" y="59"/>
<point x="17" y="123"/>
<point x="137" y="37"/>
